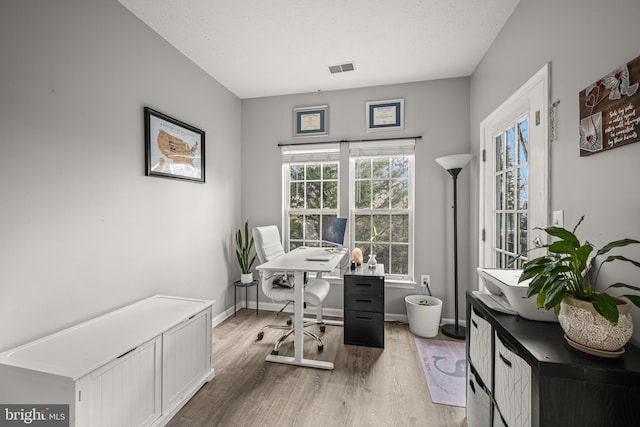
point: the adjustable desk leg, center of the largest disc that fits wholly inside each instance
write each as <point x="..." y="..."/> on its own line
<point x="298" y="322"/>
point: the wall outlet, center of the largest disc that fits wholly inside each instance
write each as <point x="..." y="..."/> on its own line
<point x="425" y="282"/>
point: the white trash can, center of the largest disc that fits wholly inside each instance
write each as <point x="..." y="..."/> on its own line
<point x="424" y="320"/>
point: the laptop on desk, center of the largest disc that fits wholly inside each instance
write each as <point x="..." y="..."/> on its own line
<point x="319" y="258"/>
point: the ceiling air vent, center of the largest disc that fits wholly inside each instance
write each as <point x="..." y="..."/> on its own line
<point x="341" y="68"/>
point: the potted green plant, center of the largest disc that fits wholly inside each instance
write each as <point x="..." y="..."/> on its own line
<point x="243" y="250"/>
<point x="595" y="322"/>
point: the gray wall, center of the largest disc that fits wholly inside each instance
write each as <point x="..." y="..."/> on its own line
<point x="583" y="40"/>
<point x="436" y="110"/>
<point x="82" y="229"/>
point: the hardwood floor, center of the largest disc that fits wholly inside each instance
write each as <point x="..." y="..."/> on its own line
<point x="368" y="386"/>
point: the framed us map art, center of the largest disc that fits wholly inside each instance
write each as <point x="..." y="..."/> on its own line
<point x="173" y="149"/>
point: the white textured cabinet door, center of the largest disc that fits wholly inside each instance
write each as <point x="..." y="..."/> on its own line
<point x="125" y="392"/>
<point x="186" y="355"/>
<point x="512" y="386"/>
<point x="480" y="347"/>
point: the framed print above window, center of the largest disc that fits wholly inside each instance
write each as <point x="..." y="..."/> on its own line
<point x="385" y="115"/>
<point x="311" y="121"/>
<point x="173" y="149"/>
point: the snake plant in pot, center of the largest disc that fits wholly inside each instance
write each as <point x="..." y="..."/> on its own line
<point x="594" y="322"/>
<point x="243" y="251"/>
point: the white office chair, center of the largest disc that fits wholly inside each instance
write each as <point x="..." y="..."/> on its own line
<point x="268" y="247"/>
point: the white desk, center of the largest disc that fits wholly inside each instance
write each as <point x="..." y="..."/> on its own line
<point x="296" y="262"/>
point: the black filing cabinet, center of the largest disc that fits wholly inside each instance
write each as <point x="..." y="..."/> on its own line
<point x="364" y="307"/>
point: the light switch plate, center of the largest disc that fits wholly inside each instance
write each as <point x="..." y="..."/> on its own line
<point x="557" y="219"/>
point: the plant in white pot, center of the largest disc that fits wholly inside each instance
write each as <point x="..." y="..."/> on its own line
<point x="243" y="251"/>
<point x="594" y="322"/>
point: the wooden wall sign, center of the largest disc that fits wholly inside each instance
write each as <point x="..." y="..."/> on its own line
<point x="610" y="110"/>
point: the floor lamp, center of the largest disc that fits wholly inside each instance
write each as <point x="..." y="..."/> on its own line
<point x="454" y="164"/>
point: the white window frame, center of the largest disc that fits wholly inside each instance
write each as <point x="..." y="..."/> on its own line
<point x="318" y="155"/>
<point x="386" y="149"/>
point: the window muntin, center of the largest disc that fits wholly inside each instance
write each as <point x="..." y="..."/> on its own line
<point x="382" y="210"/>
<point x="313" y="196"/>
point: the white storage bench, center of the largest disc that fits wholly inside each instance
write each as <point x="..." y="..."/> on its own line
<point x="136" y="366"/>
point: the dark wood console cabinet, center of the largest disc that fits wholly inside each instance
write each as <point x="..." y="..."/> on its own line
<point x="364" y="307"/>
<point x="523" y="373"/>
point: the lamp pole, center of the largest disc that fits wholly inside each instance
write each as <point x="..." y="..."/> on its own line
<point x="454" y="164"/>
<point x="455" y="330"/>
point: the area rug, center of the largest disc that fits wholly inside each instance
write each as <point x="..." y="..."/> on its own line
<point x="444" y="365"/>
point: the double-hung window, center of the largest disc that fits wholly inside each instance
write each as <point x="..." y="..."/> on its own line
<point x="378" y="188"/>
<point x="311" y="180"/>
<point x="382" y="203"/>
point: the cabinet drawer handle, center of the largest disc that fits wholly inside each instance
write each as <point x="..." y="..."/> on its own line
<point x="368" y="285"/>
<point x="475" y="325"/>
<point x="363" y="318"/>
<point x="505" y="360"/>
<point x="472" y="386"/>
<point x="363" y="300"/>
<point x="127" y="352"/>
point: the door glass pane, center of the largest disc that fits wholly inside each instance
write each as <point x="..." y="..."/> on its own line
<point x="499" y="153"/>
<point x="499" y="232"/>
<point x="511" y="233"/>
<point x="499" y="192"/>
<point x="523" y="227"/>
<point x="523" y="138"/>
<point x="510" y="148"/>
<point x="523" y="187"/>
<point x="510" y="190"/>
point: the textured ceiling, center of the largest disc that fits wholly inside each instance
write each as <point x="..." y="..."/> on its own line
<point x="261" y="48"/>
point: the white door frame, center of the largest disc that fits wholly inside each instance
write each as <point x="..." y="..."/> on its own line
<point x="531" y="99"/>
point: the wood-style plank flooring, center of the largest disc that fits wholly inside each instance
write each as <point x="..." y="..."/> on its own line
<point x="368" y="386"/>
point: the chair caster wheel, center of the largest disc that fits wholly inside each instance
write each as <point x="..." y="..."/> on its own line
<point x="274" y="352"/>
<point x="323" y="328"/>
<point x="320" y="348"/>
<point x="260" y="336"/>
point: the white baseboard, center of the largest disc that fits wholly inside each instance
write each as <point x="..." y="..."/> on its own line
<point x="334" y="312"/>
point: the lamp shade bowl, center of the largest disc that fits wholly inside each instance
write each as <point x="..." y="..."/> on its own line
<point x="454" y="161"/>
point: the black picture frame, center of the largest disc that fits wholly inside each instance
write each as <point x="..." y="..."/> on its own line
<point x="173" y="149"/>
